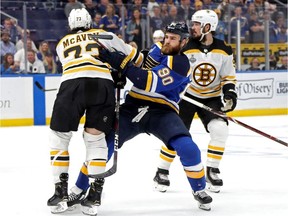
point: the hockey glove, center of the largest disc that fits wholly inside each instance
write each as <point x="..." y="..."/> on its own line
<point x="230" y="99"/>
<point x="116" y="59"/>
<point x="118" y="78"/>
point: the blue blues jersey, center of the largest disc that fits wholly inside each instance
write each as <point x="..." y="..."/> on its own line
<point x="162" y="84"/>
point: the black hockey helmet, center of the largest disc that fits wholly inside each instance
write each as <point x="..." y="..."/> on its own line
<point x="179" y="28"/>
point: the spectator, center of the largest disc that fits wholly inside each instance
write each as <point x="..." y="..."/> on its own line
<point x="150" y="7"/>
<point x="209" y="4"/>
<point x="185" y="9"/>
<point x="97" y="21"/>
<point x="254" y="65"/>
<point x="101" y="8"/>
<point x="221" y="30"/>
<point x="164" y="10"/>
<point x="8" y="66"/>
<point x="284" y="62"/>
<point x="43" y="50"/>
<point x="226" y="10"/>
<point x="260" y="7"/>
<point x="6" y="46"/>
<point x="20" y="43"/>
<point x="140" y="6"/>
<point x="173" y="16"/>
<point x="272" y="27"/>
<point x="272" y="63"/>
<point x="34" y="65"/>
<point x="256" y="29"/>
<point x="49" y="63"/>
<point x="282" y="35"/>
<point x="118" y="4"/>
<point x="72" y="4"/>
<point x="9" y="26"/>
<point x="91" y="7"/>
<point x="136" y="29"/>
<point x="19" y="57"/>
<point x="244" y="31"/>
<point x="110" y="21"/>
<point x="251" y="9"/>
<point x="198" y="5"/>
<point x="156" y="20"/>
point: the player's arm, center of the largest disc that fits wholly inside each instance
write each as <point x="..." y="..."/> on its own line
<point x="228" y="81"/>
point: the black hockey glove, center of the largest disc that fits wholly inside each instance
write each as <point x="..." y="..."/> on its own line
<point x="118" y="78"/>
<point x="116" y="59"/>
<point x="230" y="99"/>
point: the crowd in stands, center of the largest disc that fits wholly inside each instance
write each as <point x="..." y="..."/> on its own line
<point x="136" y="20"/>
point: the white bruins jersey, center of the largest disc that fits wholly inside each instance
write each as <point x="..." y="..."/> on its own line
<point x="77" y="52"/>
<point x="212" y="68"/>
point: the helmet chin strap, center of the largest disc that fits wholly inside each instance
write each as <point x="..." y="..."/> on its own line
<point x="203" y="34"/>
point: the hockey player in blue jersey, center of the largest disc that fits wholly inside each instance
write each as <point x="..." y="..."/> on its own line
<point x="151" y="106"/>
<point x="213" y="79"/>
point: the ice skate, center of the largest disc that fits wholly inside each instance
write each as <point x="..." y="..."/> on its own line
<point x="214" y="183"/>
<point x="161" y="180"/>
<point x="203" y="199"/>
<point x="74" y="199"/>
<point x="93" y="200"/>
<point x="58" y="202"/>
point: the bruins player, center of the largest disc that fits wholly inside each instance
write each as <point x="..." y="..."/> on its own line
<point x="213" y="75"/>
<point x="86" y="87"/>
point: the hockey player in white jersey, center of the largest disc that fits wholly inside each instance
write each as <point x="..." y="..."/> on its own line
<point x="213" y="76"/>
<point x="86" y="87"/>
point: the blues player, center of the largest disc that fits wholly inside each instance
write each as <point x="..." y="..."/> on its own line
<point x="213" y="75"/>
<point x="152" y="107"/>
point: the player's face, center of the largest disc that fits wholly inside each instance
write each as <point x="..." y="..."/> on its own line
<point x="172" y="44"/>
<point x="195" y="30"/>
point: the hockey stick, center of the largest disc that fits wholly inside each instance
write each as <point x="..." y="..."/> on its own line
<point x="190" y="100"/>
<point x="113" y="168"/>
<point x="42" y="88"/>
<point x="104" y="37"/>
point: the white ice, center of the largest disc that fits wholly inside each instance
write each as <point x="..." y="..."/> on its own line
<point x="254" y="170"/>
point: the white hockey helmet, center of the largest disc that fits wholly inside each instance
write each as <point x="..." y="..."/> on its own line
<point x="158" y="35"/>
<point x="206" y="17"/>
<point x="79" y="18"/>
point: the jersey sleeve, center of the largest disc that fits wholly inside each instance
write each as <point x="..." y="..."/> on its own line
<point x="118" y="44"/>
<point x="162" y="77"/>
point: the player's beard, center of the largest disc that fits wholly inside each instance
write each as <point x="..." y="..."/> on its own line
<point x="168" y="50"/>
<point x="195" y="36"/>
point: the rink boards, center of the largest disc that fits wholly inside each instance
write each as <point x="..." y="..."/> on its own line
<point x="23" y="103"/>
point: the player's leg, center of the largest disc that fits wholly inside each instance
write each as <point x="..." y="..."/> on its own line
<point x="65" y="118"/>
<point x="176" y="136"/>
<point x="78" y="191"/>
<point x="99" y="101"/>
<point x="161" y="179"/>
<point x="59" y="142"/>
<point x="218" y="131"/>
<point x="190" y="157"/>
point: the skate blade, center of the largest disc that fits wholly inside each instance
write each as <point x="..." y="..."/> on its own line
<point x="93" y="210"/>
<point x="160" y="188"/>
<point x="213" y="188"/>
<point x="205" y="207"/>
<point x="61" y="207"/>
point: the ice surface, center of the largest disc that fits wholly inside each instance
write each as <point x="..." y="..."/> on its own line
<point x="254" y="170"/>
